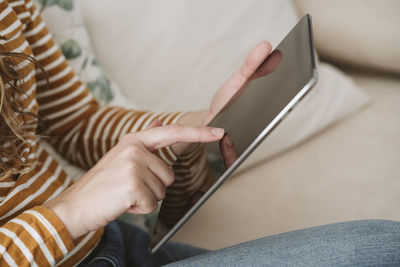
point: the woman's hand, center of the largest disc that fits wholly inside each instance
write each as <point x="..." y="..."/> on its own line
<point x="128" y="178"/>
<point x="232" y="87"/>
<point x="238" y="81"/>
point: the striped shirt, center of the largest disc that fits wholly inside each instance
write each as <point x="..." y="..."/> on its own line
<point x="79" y="128"/>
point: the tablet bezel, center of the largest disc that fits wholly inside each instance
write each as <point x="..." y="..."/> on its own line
<point x="270" y="127"/>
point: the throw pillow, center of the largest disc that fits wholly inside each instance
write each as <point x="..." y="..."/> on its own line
<point x="358" y="32"/>
<point x="173" y="55"/>
<point x="65" y="22"/>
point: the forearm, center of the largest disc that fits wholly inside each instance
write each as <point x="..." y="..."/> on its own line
<point x="39" y="234"/>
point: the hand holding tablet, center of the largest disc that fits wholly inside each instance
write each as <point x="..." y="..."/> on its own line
<point x="266" y="95"/>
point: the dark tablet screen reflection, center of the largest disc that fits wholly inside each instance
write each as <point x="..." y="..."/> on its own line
<point x="276" y="82"/>
<point x="220" y="155"/>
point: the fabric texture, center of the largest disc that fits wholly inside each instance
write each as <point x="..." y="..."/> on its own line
<point x="65" y="22"/>
<point x="184" y="50"/>
<point x="363" y="33"/>
<point x="125" y="244"/>
<point x="356" y="243"/>
<point x="74" y="123"/>
<point x="348" y="172"/>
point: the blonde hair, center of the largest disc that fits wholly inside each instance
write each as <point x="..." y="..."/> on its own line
<point x="12" y="128"/>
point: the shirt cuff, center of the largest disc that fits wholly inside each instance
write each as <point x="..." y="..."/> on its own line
<point x="55" y="234"/>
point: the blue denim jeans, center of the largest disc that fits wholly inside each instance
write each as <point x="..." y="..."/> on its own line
<point x="125" y="244"/>
<point x="356" y="243"/>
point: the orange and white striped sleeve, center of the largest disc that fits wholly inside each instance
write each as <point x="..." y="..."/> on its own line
<point x="79" y="128"/>
<point x="191" y="175"/>
<point x="34" y="238"/>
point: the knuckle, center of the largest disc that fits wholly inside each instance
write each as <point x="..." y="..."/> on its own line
<point x="133" y="151"/>
<point x="132" y="188"/>
<point x="132" y="169"/>
<point x="134" y="185"/>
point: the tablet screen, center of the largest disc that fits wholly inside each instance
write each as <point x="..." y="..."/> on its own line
<point x="280" y="78"/>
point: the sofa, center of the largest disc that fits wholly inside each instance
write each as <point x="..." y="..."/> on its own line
<point x="347" y="169"/>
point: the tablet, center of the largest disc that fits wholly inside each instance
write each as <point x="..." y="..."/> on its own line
<point x="286" y="76"/>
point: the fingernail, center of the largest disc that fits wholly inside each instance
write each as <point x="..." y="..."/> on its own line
<point x="217" y="131"/>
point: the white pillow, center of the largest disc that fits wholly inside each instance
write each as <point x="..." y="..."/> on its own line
<point x="359" y="32"/>
<point x="333" y="98"/>
<point x="173" y="55"/>
<point x="65" y="22"/>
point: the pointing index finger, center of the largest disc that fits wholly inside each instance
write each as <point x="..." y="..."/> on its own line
<point x="162" y="136"/>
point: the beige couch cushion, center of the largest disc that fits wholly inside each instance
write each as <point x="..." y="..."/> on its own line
<point x="361" y="32"/>
<point x="174" y="55"/>
<point x="349" y="172"/>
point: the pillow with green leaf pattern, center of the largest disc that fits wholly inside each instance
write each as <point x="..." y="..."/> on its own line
<point x="64" y="20"/>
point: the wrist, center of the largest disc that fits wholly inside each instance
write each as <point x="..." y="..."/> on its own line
<point x="70" y="217"/>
